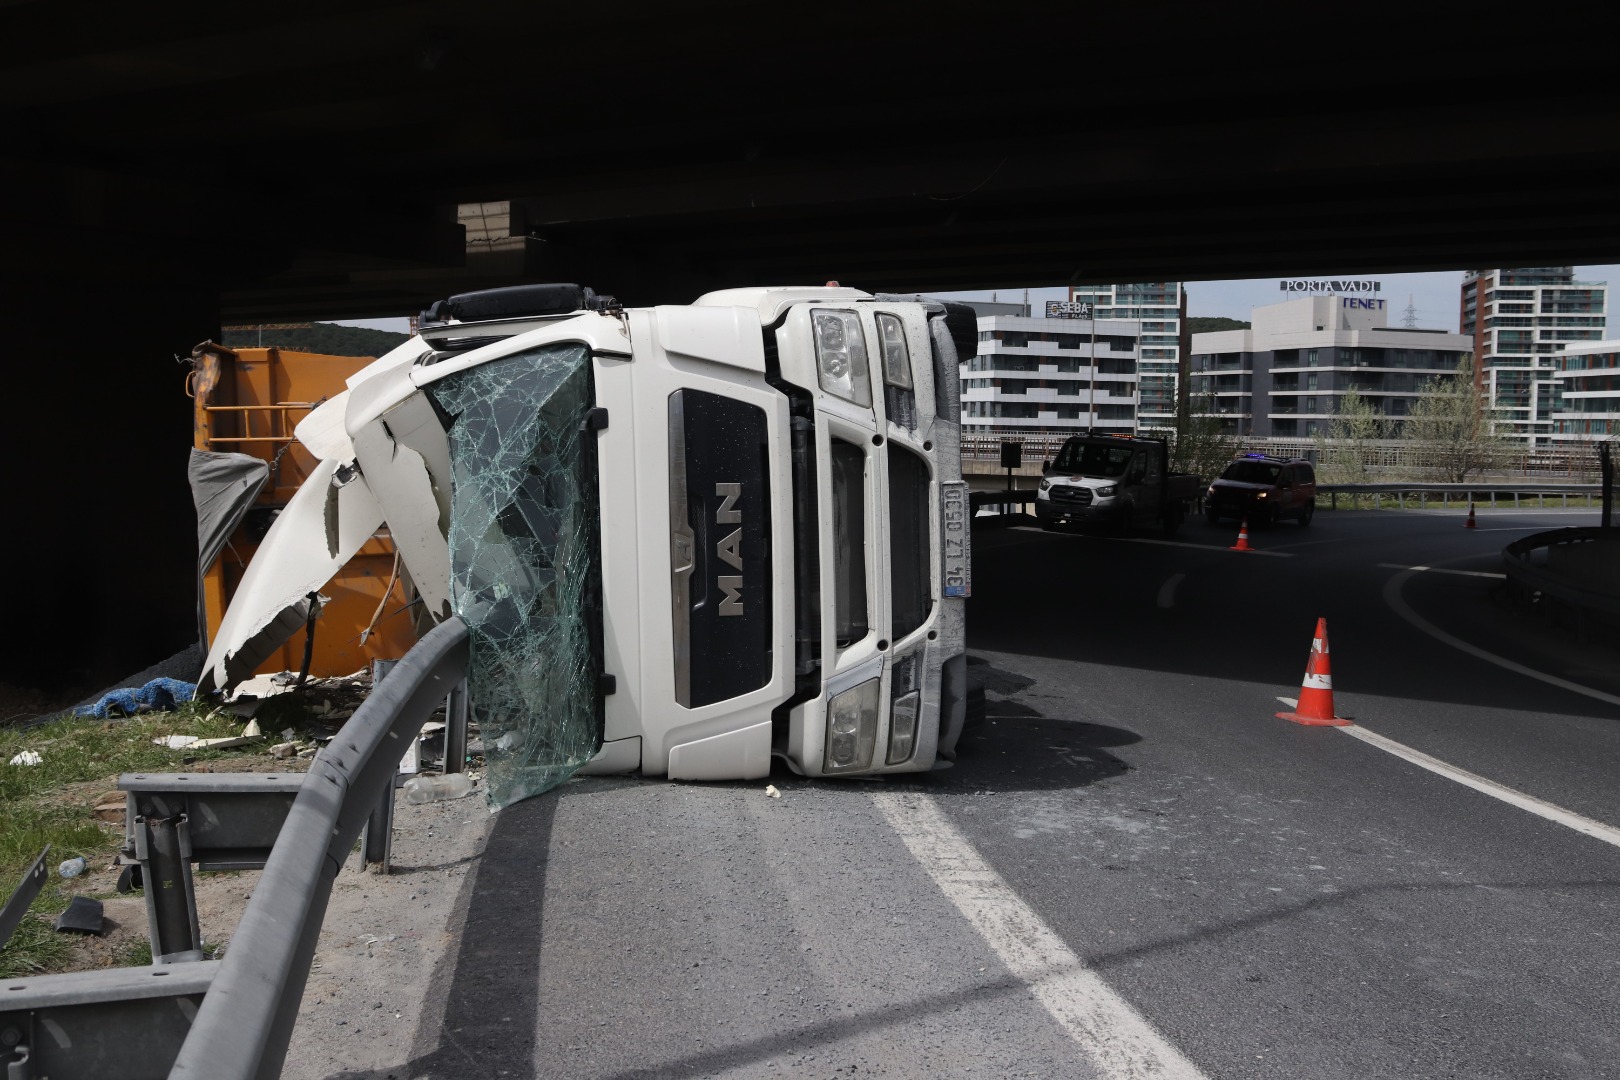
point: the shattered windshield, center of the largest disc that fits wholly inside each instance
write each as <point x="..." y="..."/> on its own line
<point x="1090" y="459"/>
<point x="525" y="568"/>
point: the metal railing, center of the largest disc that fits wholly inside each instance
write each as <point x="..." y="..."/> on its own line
<point x="1464" y="493"/>
<point x="1529" y="580"/>
<point x="125" y="1021"/>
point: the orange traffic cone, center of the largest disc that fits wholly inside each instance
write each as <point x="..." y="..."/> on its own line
<point x="1243" y="537"/>
<point x="1315" y="708"/>
<point x="1469" y="524"/>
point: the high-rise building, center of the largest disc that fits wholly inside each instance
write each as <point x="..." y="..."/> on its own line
<point x="1051" y="375"/>
<point x="1520" y="320"/>
<point x="1161" y="308"/>
<point x="1285" y="376"/>
<point x="1588" y="393"/>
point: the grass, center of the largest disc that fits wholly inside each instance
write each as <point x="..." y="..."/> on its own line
<point x="51" y="803"/>
<point x="1371" y="501"/>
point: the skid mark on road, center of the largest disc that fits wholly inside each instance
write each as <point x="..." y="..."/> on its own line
<point x="1120" y="1042"/>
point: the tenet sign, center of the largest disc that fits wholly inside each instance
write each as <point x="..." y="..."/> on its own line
<point x="1332" y="285"/>
<point x="1365" y="302"/>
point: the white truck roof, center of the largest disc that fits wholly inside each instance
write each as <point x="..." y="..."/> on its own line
<point x="772" y="300"/>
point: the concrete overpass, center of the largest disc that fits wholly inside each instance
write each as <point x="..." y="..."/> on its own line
<point x="165" y="171"/>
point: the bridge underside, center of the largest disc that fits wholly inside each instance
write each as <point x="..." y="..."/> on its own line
<point x="162" y="174"/>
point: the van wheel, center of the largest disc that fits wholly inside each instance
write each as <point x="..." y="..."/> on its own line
<point x="1211" y="516"/>
<point x="1125" y="521"/>
<point x="1307" y="512"/>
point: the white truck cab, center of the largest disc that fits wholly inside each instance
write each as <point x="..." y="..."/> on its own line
<point x="685" y="539"/>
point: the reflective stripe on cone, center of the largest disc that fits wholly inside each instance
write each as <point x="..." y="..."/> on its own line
<point x="1315" y="708"/>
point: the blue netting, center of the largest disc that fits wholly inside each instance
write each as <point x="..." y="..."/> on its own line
<point x="156" y="696"/>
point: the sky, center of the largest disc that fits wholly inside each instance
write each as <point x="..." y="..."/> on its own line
<point x="1432" y="295"/>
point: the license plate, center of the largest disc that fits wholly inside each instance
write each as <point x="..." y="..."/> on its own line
<point x="957" y="552"/>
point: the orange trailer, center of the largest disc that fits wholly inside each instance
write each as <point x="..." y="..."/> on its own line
<point x="248" y="401"/>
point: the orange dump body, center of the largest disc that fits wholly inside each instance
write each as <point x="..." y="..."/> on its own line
<point x="248" y="401"/>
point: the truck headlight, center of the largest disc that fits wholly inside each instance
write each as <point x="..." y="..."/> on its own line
<point x="841" y="355"/>
<point x="903" y="726"/>
<point x="1107" y="490"/>
<point x="896" y="358"/>
<point x="852" y="719"/>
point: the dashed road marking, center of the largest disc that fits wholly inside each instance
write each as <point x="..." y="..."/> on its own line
<point x="1442" y="570"/>
<point x="1120" y="1042"/>
<point x="1167" y="591"/>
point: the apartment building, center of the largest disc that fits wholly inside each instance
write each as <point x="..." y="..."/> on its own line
<point x="1588" y="395"/>
<point x="1520" y="321"/>
<point x="1285" y="375"/>
<point x="1161" y="308"/>
<point x="1053" y="375"/>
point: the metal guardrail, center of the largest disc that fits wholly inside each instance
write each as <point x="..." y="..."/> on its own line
<point x="1526" y="578"/>
<point x="1423" y="489"/>
<point x="138" y="1022"/>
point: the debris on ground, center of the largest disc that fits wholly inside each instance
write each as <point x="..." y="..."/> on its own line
<point x="83" y="916"/>
<point x="27" y="757"/>
<point x="110" y="807"/>
<point x="283" y="750"/>
<point x="194" y="742"/>
<point x="159" y="695"/>
<point x="772" y="792"/>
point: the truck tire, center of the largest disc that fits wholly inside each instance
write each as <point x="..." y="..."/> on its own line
<point x="1173" y="515"/>
<point x="1125" y="522"/>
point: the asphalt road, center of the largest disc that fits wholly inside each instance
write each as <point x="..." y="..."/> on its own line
<point x="1134" y="869"/>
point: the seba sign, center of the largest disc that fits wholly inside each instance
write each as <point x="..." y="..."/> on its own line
<point x="1330" y="285"/>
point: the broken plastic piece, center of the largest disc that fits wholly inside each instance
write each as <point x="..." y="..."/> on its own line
<point x="83" y="916"/>
<point x="27" y="757"/>
<point x="771" y="792"/>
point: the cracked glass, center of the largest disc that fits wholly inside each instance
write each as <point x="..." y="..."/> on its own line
<point x="525" y="571"/>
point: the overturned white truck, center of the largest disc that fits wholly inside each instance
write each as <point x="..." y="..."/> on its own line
<point x="684" y="539"/>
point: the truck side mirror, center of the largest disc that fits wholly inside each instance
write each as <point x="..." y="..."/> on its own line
<point x="1046" y="466"/>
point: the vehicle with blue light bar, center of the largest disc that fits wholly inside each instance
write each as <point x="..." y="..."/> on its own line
<point x="1122" y="481"/>
<point x="686" y="539"/>
<point x="1263" y="490"/>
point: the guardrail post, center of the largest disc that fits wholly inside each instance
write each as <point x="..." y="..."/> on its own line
<point x="456" y="709"/>
<point x="163" y="846"/>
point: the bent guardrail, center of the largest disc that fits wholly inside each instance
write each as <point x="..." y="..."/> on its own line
<point x="232" y="1019"/>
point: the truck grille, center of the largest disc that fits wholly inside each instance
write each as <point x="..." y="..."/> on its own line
<point x="1080" y="496"/>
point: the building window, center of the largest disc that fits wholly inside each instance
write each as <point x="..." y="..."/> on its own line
<point x="1310" y="357"/>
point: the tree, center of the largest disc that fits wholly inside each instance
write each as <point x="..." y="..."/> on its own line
<point x="1197" y="445"/>
<point x="1452" y="427"/>
<point x="1350" y="447"/>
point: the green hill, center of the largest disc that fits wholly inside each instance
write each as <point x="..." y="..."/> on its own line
<point x="328" y="338"/>
<point x="1206" y="324"/>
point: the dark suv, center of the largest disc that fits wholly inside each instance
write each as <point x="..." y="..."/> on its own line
<point x="1264" y="490"/>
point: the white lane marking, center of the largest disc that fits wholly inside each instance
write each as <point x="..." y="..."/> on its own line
<point x="1540" y="807"/>
<point x="1392" y="597"/>
<point x="1167" y="591"/>
<point x="1291" y="702"/>
<point x="1441" y="570"/>
<point x="1121" y="1043"/>
<point x="1163" y="543"/>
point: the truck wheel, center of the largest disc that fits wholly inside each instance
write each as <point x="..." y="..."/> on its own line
<point x="1172" y="520"/>
<point x="1125" y="521"/>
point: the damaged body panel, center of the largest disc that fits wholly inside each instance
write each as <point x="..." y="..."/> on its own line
<point x="685" y="540"/>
